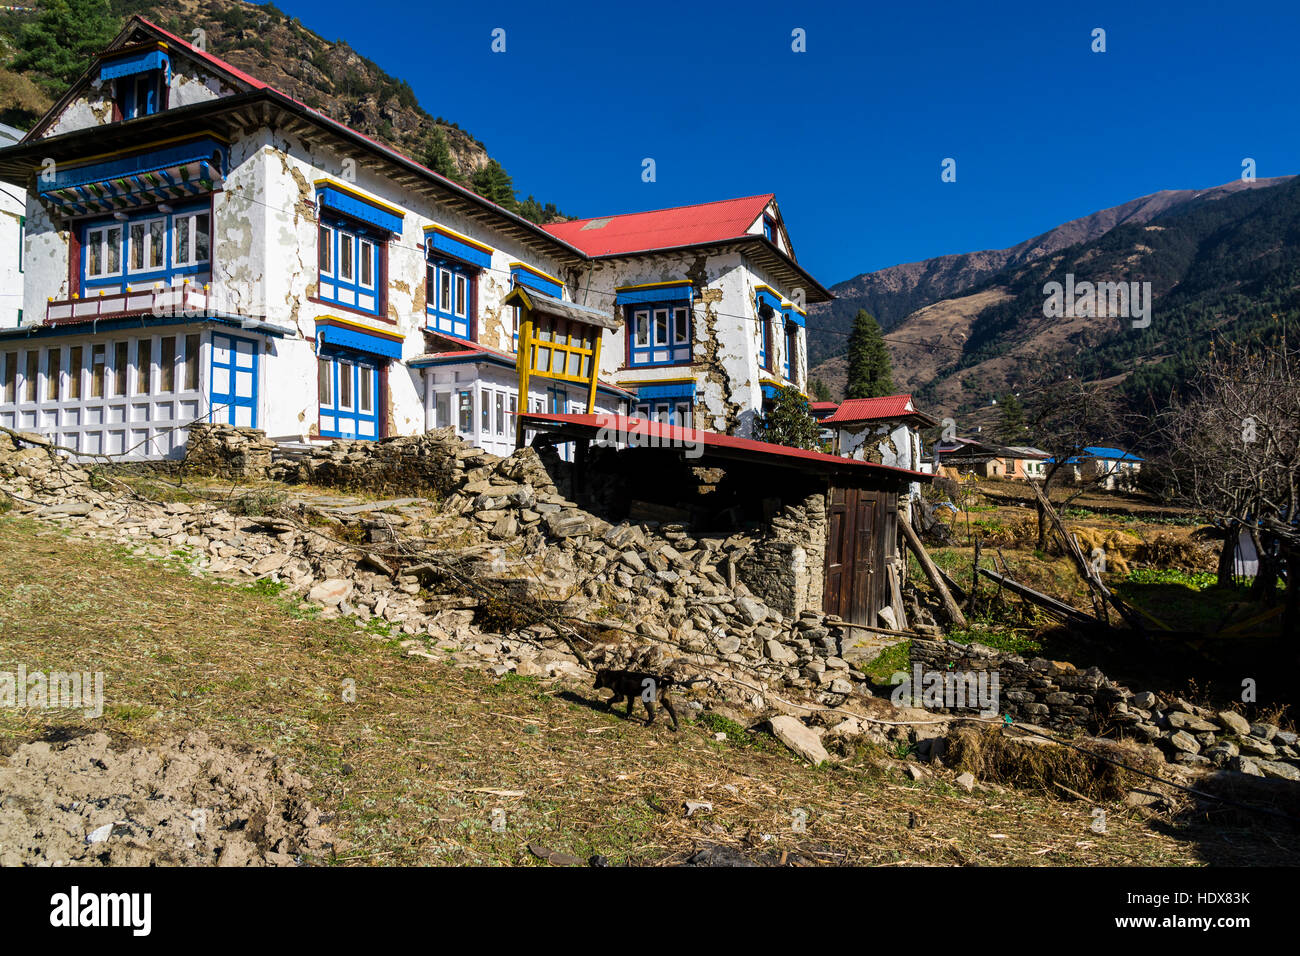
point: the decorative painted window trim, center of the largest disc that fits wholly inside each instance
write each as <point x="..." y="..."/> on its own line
<point x="451" y="296"/>
<point x="352" y="261"/>
<point x="109" y="245"/>
<point x="348" y="391"/>
<point x="659" y="333"/>
<point x="356" y="205"/>
<point x="523" y="274"/>
<point x="673" y="291"/>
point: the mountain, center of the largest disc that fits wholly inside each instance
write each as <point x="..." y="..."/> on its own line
<point x="1222" y="266"/>
<point x="278" y="49"/>
<point x="894" y="293"/>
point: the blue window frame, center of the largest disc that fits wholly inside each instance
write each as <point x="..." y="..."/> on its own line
<point x="668" y="411"/>
<point x="791" y="342"/>
<point x="451" y="297"/>
<point x="769" y="228"/>
<point x="659" y="333"/>
<point x="158" y="245"/>
<point x="140" y="94"/>
<point x="349" y="396"/>
<point x="351" y="259"/>
<point x="232" y="387"/>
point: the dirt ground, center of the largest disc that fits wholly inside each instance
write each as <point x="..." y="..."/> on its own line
<point x="186" y="801"/>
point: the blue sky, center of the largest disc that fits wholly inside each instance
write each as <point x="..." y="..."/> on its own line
<point x="851" y="134"/>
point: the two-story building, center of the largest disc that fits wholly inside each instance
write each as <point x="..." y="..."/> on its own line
<point x="13" y="222"/>
<point x="201" y="246"/>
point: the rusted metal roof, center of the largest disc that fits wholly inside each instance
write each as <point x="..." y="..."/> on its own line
<point x="663" y="435"/>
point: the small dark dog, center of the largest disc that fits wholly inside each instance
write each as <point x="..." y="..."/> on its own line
<point x="650" y="688"/>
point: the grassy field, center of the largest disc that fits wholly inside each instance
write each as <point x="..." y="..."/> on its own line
<point x="415" y="767"/>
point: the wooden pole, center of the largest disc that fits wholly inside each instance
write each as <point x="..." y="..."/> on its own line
<point x="955" y="616"/>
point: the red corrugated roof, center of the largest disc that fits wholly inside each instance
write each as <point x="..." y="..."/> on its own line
<point x="662" y="228"/>
<point x="669" y="435"/>
<point x="823" y="406"/>
<point x="872" y="409"/>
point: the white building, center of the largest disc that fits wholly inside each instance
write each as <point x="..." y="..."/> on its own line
<point x="200" y="246"/>
<point x="13" y="219"/>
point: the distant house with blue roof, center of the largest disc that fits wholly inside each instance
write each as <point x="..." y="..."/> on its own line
<point x="1108" y="468"/>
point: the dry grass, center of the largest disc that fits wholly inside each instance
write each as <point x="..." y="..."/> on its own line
<point x="414" y="767"/>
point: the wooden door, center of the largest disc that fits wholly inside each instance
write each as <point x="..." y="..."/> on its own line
<point x="853" y="555"/>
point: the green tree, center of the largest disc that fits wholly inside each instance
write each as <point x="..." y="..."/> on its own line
<point x="55" y="49"/>
<point x="436" y="154"/>
<point x="788" y="421"/>
<point x="820" y="391"/>
<point x="1011" y="422"/>
<point x="493" y="183"/>
<point x="870" y="374"/>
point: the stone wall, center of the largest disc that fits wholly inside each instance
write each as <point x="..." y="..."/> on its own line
<point x="407" y="464"/>
<point x="228" y="451"/>
<point x="1057" y="694"/>
<point x="785" y="567"/>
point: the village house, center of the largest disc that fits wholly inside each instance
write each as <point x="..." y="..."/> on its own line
<point x="885" y="430"/>
<point x="200" y="246"/>
<point x="1108" y="468"/>
<point x="957" y="457"/>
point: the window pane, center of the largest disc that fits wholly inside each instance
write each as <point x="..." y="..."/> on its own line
<point x="501" y="413"/>
<point x="367" y="263"/>
<point x="461" y="294"/>
<point x="167" y="364"/>
<point x="119" y="368"/>
<point x="661" y="327"/>
<point x="113" y="252"/>
<point x="325" y="244"/>
<point x="466" y="411"/>
<point x="345" y="385"/>
<point x="135" y="257"/>
<point x="143" y="365"/>
<point x="54" y="360"/>
<point x="156" y="244"/>
<point x="11" y="375"/>
<point x="642" y="325"/>
<point x="367" y="382"/>
<point x="94" y="252"/>
<point x="74" y="372"/>
<point x="444" y="293"/>
<point x="182" y="239"/>
<point x="33" y="370"/>
<point x="202" y="242"/>
<point x="191" y="363"/>
<point x="97" y="353"/>
<point x="485" y="412"/>
<point x="346" y="254"/>
<point x="681" y="330"/>
<point x="325" y="379"/>
<point x="442" y="410"/>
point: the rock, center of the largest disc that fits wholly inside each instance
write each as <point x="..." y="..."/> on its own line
<point x="330" y="592"/>
<point x="799" y="738"/>
<point x="1182" y="740"/>
<point x="1247" y="766"/>
<point x="1264" y="732"/>
<point x="779" y="652"/>
<point x="1145" y="700"/>
<point x="1233" y="721"/>
<point x="1280" y="770"/>
<point x="1254" y="745"/>
<point x="966" y="781"/>
<point x="695" y="806"/>
<point x="1183" y="721"/>
<point x="754" y="612"/>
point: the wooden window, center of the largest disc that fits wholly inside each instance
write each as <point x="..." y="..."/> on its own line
<point x="325" y="382"/>
<point x="121" y="358"/>
<point x="53" y="373"/>
<point x="97" y="353"/>
<point x="11" y="375"/>
<point x="191" y="363"/>
<point x="74" y="372"/>
<point x="33" y="372"/>
<point x="143" y="366"/>
<point x="167" y="363"/>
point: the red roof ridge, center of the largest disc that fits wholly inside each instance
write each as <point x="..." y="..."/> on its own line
<point x="647" y="212"/>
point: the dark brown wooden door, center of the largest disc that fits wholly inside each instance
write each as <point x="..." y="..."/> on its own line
<point x="853" y="558"/>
